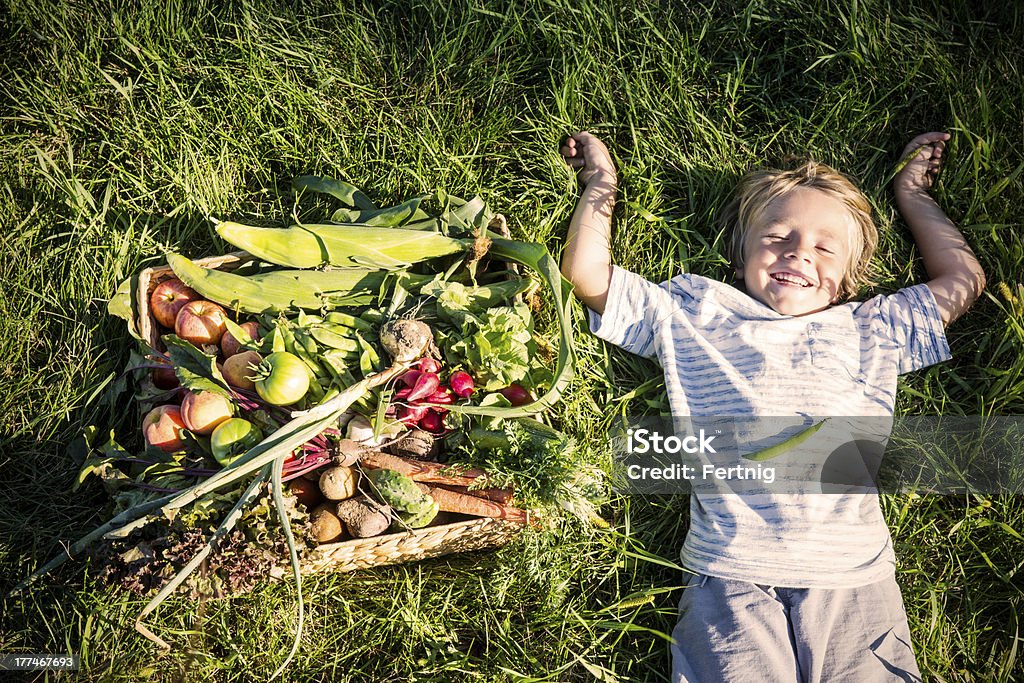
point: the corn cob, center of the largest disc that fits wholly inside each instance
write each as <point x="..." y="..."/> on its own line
<point x="281" y="290"/>
<point x="350" y="246"/>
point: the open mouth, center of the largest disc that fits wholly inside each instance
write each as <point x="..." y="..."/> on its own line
<point x="792" y="279"/>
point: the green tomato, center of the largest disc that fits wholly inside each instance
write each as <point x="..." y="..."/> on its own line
<point x="232" y="438"/>
<point x="282" y="379"/>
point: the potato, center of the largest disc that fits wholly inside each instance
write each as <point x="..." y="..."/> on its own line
<point x="364" y="517"/>
<point x="338" y="483"/>
<point x="325" y="527"/>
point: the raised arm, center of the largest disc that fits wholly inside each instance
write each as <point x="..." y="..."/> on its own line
<point x="587" y="257"/>
<point x="955" y="276"/>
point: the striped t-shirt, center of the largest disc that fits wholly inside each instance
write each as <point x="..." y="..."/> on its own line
<point x="727" y="354"/>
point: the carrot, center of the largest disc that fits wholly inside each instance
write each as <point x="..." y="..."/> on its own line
<point x="418" y="470"/>
<point x="503" y="496"/>
<point x="450" y="501"/>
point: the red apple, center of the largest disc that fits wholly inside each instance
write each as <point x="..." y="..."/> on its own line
<point x="161" y="427"/>
<point x="203" y="411"/>
<point x="200" y="322"/>
<point x="237" y="370"/>
<point x="168" y="298"/>
<point x="229" y="346"/>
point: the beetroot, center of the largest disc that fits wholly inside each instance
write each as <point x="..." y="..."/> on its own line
<point x="164" y="378"/>
<point x="461" y="384"/>
<point x="517" y="395"/>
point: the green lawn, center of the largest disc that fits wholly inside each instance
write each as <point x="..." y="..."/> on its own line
<point x="122" y="128"/>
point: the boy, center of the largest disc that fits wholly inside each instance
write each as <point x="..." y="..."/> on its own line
<point x="794" y="587"/>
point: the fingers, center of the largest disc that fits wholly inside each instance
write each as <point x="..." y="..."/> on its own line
<point x="926" y="147"/>
<point x="579" y="147"/>
<point x="568" y="148"/>
<point x="584" y="152"/>
<point x="929" y="138"/>
<point x="572" y="155"/>
<point x="922" y="160"/>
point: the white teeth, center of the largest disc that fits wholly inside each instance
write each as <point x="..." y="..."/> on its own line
<point x="791" y="278"/>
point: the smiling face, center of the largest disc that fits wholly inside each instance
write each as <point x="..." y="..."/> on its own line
<point x="797" y="252"/>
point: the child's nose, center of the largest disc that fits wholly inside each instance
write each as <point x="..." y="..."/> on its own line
<point x="800" y="250"/>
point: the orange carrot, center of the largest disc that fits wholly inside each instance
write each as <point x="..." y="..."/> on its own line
<point x="503" y="496"/>
<point x="450" y="501"/>
<point x="419" y="470"/>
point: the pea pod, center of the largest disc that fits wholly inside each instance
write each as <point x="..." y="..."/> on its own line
<point x="276" y="341"/>
<point x="311" y="362"/>
<point x="334" y="361"/>
<point x="313" y="368"/>
<point x="306" y="341"/>
<point x="348" y="320"/>
<point x="369" y="359"/>
<point x="316" y="392"/>
<point x="373" y="316"/>
<point x="333" y="339"/>
<point x="778" y="449"/>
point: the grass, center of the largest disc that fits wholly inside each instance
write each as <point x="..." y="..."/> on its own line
<point x="125" y="126"/>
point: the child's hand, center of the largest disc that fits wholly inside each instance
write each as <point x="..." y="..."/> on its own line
<point x="922" y="167"/>
<point x="587" y="154"/>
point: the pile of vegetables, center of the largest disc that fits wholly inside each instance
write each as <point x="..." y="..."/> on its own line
<point x="339" y="383"/>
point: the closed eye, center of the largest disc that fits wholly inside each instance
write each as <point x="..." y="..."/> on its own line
<point x="827" y="250"/>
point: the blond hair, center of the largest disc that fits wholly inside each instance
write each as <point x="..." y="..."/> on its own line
<point x="758" y="189"/>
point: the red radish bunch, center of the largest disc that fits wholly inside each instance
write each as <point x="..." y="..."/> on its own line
<point x="422" y="396"/>
<point x="461" y="384"/>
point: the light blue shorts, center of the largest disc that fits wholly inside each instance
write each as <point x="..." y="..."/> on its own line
<point x="738" y="631"/>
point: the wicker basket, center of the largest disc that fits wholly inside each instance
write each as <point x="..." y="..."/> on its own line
<point x="407" y="546"/>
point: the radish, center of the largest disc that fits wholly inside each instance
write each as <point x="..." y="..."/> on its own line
<point x="411" y="415"/>
<point x="461" y="383"/>
<point x="440" y="396"/>
<point x="432" y="422"/>
<point x="410" y="377"/>
<point x="428" y="364"/>
<point x="426" y="384"/>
